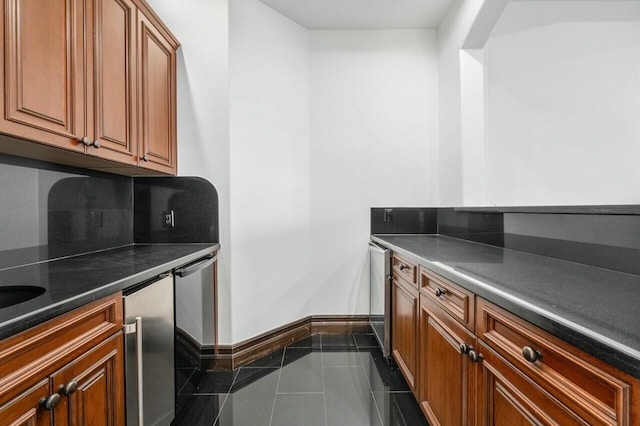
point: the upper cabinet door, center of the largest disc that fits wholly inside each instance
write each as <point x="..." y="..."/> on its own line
<point x="42" y="71"/>
<point x="112" y="80"/>
<point x="157" y="95"/>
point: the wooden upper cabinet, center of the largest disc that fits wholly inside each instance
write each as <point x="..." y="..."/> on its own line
<point x="42" y="71"/>
<point x="96" y="77"/>
<point x="157" y="96"/>
<point x="111" y="74"/>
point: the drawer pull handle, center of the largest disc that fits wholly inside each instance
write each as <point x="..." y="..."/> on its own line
<point x="403" y="267"/>
<point x="464" y="348"/>
<point x="440" y="292"/>
<point x="69" y="388"/>
<point x="531" y="354"/>
<point x="475" y="356"/>
<point x="51" y="402"/>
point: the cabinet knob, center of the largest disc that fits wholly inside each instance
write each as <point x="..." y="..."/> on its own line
<point x="51" y="402"/>
<point x="474" y="356"/>
<point x="464" y="348"/>
<point x="69" y="388"/>
<point x="145" y="158"/>
<point x="440" y="292"/>
<point x="403" y="267"/>
<point x="531" y="354"/>
<point x="96" y="143"/>
<point x="85" y="141"/>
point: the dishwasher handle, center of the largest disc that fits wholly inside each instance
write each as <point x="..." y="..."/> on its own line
<point x="195" y="267"/>
<point x="377" y="248"/>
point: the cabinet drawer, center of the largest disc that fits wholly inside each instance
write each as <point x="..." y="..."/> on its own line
<point x="37" y="352"/>
<point x="455" y="300"/>
<point x="595" y="391"/>
<point x="404" y="269"/>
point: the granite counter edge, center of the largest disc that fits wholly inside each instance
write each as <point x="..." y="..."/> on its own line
<point x="580" y="336"/>
<point x="24" y="322"/>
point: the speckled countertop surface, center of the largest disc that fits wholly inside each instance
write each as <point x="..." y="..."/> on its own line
<point x="595" y="309"/>
<point x="78" y="280"/>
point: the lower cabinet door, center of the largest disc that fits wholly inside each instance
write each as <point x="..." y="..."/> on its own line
<point x="404" y="323"/>
<point x="92" y="387"/>
<point x="507" y="398"/>
<point x="26" y="409"/>
<point x="446" y="374"/>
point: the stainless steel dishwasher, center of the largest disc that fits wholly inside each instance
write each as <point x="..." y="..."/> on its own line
<point x="149" y="353"/>
<point x="196" y="301"/>
<point x="380" y="295"/>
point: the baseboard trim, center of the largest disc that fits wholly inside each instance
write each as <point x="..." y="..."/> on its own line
<point x="340" y="324"/>
<point x="229" y="357"/>
<point x="191" y="352"/>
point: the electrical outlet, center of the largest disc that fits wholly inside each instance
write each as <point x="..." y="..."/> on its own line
<point x="96" y="219"/>
<point x="168" y="219"/>
<point x="387" y="215"/>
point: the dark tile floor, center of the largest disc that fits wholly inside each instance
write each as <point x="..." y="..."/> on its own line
<point x="324" y="380"/>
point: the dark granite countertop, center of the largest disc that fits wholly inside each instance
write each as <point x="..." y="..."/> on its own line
<point x="595" y="309"/>
<point x="75" y="281"/>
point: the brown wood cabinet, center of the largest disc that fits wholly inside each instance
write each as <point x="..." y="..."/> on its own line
<point x="446" y="374"/>
<point x="25" y="409"/>
<point x="507" y="398"/>
<point x="404" y="333"/>
<point x="66" y="371"/>
<point x="111" y="80"/>
<point x="42" y="72"/>
<point x="95" y="77"/>
<point x="157" y="94"/>
<point x="478" y="364"/>
<point x="568" y="385"/>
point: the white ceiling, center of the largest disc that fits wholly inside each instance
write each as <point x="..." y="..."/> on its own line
<point x="363" y="14"/>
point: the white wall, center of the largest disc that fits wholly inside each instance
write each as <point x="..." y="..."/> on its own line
<point x="563" y="87"/>
<point x="451" y="37"/>
<point x="373" y="136"/>
<point x="270" y="205"/>
<point x="202" y="26"/>
<point x="312" y="130"/>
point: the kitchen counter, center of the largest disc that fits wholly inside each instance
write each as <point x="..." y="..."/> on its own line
<point x="75" y="281"/>
<point x="594" y="309"/>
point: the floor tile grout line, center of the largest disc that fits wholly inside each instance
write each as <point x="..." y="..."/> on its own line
<point x="233" y="382"/>
<point x="373" y="397"/>
<point x="206" y="394"/>
<point x="372" y="394"/>
<point x="275" y="396"/>
<point x="324" y="389"/>
<point x="187" y="381"/>
<point x="259" y="368"/>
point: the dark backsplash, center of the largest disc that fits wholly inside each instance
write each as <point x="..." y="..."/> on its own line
<point x="404" y="220"/>
<point x="51" y="211"/>
<point x="481" y="227"/>
<point x="194" y="202"/>
<point x="602" y="236"/>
